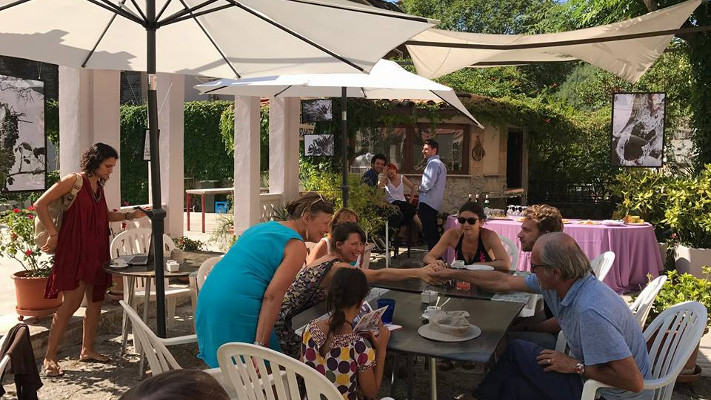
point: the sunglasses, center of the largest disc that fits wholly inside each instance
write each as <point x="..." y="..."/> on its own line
<point x="470" y="220"/>
<point x="307" y="209"/>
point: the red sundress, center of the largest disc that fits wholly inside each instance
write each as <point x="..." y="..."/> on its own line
<point x="83" y="246"/>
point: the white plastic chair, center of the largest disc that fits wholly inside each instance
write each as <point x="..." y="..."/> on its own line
<point x="602" y="264"/>
<point x="512" y="250"/>
<point x="156" y="349"/>
<point x="136" y="241"/>
<point x="643" y="303"/>
<point x="204" y="271"/>
<point x="5" y="360"/>
<point x="244" y="363"/>
<point x="676" y="332"/>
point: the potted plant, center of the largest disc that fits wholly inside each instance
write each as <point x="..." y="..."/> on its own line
<point x="678" y="288"/>
<point x="688" y="213"/>
<point x="17" y="242"/>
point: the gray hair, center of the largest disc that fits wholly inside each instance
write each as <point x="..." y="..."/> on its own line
<point x="562" y="251"/>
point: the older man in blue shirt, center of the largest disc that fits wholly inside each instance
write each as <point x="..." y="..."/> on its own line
<point x="431" y="191"/>
<point x="605" y="340"/>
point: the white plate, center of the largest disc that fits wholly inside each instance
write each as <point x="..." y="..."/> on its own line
<point x="119" y="266"/>
<point x="479" y="267"/>
<point x="637" y="223"/>
<point x="613" y="222"/>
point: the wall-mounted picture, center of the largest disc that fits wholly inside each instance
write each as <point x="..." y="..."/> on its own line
<point x="638" y="129"/>
<point x="319" y="145"/>
<point x="316" y="110"/>
<point x="23" y="149"/>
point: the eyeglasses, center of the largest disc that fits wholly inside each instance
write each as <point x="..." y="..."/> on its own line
<point x="534" y="266"/>
<point x="470" y="220"/>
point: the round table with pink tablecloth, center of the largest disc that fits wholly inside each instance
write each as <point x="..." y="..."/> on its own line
<point x="635" y="246"/>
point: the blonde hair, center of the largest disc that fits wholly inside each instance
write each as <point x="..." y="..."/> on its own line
<point x="310" y="202"/>
<point x="547" y="218"/>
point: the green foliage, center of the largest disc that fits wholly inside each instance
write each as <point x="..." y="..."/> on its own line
<point x="680" y="288"/>
<point x="227" y="130"/>
<point x="186" y="244"/>
<point x="480" y="16"/>
<point x="51" y="121"/>
<point x="689" y="209"/>
<point x="205" y="155"/>
<point x="17" y="241"/>
<point x="644" y="192"/>
<point x="223" y="236"/>
<point x="134" y="171"/>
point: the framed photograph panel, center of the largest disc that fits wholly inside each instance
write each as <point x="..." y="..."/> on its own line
<point x="319" y="145"/>
<point x="316" y="110"/>
<point x="637" y="138"/>
<point x="23" y="143"/>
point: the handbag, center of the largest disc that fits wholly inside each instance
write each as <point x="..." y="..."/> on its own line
<point x="56" y="212"/>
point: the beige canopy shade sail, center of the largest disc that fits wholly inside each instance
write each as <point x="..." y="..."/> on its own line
<point x="437" y="52"/>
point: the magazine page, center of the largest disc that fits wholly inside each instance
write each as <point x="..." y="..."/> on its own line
<point x="369" y="321"/>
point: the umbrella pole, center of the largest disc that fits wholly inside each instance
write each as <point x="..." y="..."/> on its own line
<point x="344" y="129"/>
<point x="158" y="214"/>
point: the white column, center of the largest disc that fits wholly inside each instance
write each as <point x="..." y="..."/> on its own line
<point x="74" y="116"/>
<point x="284" y="147"/>
<point x="106" y="125"/>
<point x="247" y="207"/>
<point x="88" y="113"/>
<point x="171" y="94"/>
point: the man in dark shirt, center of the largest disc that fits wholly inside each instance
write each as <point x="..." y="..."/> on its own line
<point x="377" y="164"/>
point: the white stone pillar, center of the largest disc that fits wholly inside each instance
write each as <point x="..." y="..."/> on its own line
<point x="284" y="147"/>
<point x="89" y="112"/>
<point x="171" y="95"/>
<point x="106" y="125"/>
<point x="247" y="207"/>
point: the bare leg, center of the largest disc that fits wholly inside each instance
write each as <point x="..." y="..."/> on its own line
<point x="72" y="301"/>
<point x="91" y="322"/>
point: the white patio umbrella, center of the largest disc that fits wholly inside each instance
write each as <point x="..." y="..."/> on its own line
<point x="225" y="38"/>
<point x="386" y="80"/>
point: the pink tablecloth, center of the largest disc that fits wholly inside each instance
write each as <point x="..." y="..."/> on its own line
<point x="636" y="249"/>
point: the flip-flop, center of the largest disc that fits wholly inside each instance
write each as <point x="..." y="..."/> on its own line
<point x="96" y="360"/>
<point x="54" y="371"/>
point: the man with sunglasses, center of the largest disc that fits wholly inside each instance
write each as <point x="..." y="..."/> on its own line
<point x="606" y="343"/>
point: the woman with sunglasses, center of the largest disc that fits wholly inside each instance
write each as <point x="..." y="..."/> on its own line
<point x="473" y="243"/>
<point x="241" y="300"/>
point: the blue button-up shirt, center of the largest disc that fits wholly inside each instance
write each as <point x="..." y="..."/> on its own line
<point x="433" y="180"/>
<point x="599" y="327"/>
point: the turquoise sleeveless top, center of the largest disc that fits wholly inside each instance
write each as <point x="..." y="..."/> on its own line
<point x="230" y="300"/>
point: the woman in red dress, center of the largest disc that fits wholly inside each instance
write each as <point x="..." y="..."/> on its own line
<point x="81" y="249"/>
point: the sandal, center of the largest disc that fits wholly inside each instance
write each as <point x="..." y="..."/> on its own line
<point x="52" y="370"/>
<point x="99" y="358"/>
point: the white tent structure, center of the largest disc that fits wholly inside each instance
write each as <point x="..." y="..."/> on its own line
<point x="386" y="80"/>
<point x="626" y="49"/>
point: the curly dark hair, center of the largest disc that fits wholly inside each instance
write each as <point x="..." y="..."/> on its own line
<point x="98" y="153"/>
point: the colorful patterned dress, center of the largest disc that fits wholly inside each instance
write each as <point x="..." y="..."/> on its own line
<point x="304" y="293"/>
<point x="348" y="355"/>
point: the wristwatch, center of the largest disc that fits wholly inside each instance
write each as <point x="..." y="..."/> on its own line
<point x="580" y="369"/>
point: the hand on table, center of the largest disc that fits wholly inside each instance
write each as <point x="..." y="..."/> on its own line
<point x="555" y="361"/>
<point x="426" y="274"/>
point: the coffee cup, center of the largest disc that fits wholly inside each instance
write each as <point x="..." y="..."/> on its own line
<point x="431" y="308"/>
<point x="120" y="263"/>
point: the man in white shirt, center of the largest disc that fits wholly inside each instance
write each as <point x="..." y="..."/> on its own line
<point x="431" y="191"/>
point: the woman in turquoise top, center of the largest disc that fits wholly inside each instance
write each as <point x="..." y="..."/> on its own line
<point x="241" y="299"/>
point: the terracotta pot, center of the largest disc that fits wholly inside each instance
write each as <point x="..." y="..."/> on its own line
<point x="29" y="292"/>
